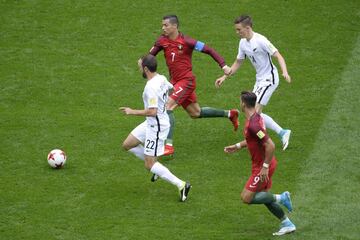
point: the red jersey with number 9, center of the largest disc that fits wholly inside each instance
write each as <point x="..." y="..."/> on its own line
<point x="256" y="135"/>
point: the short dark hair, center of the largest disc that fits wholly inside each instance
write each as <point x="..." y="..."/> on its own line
<point x="173" y="19"/>
<point x="150" y="62"/>
<point x="244" y="20"/>
<point x="248" y="98"/>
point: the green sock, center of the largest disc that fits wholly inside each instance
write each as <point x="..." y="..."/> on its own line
<point x="263" y="198"/>
<point x="208" y="112"/>
<point x="169" y="139"/>
<point x="276" y="210"/>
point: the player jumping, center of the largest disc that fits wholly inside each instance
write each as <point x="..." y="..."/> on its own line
<point x="178" y="50"/>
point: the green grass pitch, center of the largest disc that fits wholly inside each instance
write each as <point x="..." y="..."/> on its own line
<point x="66" y="67"/>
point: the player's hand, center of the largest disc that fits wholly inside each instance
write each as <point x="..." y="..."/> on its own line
<point x="126" y="110"/>
<point x="230" y="149"/>
<point x="219" y="81"/>
<point x="227" y="70"/>
<point x="287" y="77"/>
<point x="264" y="174"/>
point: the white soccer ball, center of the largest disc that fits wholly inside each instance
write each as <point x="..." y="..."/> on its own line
<point x="56" y="158"/>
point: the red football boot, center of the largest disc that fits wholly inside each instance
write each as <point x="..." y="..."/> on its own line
<point x="234" y="114"/>
<point x="169" y="150"/>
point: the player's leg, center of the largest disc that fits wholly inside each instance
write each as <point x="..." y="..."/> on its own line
<point x="184" y="95"/>
<point x="256" y="192"/>
<point x="267" y="198"/>
<point x="195" y="111"/>
<point x="133" y="142"/>
<point x="269" y="121"/>
<point x="247" y="196"/>
<point x="171" y="105"/>
<point x="263" y="93"/>
<point x="284" y="134"/>
<point x="263" y="196"/>
<point x="163" y="172"/>
<point x="154" y="147"/>
<point x="271" y="201"/>
<point x="286" y="226"/>
<point x="181" y="90"/>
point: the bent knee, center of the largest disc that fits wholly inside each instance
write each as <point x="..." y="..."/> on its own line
<point x="149" y="163"/>
<point x="148" y="166"/>
<point x="125" y="146"/>
<point x="246" y="199"/>
<point x="194" y="114"/>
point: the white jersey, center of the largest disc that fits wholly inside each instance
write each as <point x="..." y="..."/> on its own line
<point x="259" y="50"/>
<point x="155" y="95"/>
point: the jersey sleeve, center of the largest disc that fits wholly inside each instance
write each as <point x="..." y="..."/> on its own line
<point x="258" y="131"/>
<point x="169" y="85"/>
<point x="241" y="54"/>
<point x="267" y="46"/>
<point x="202" y="47"/>
<point x="156" y="48"/>
<point x="151" y="98"/>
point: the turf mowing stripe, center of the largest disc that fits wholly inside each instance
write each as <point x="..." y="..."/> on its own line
<point x="326" y="201"/>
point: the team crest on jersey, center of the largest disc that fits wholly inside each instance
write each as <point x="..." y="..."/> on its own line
<point x="260" y="134"/>
<point x="152" y="101"/>
<point x="180" y="47"/>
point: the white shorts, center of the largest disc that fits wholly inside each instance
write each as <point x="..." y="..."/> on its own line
<point x="152" y="138"/>
<point x="264" y="89"/>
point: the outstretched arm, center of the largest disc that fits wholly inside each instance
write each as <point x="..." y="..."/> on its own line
<point x="202" y="47"/>
<point x="220" y="60"/>
<point x="235" y="147"/>
<point x="150" y="112"/>
<point x="282" y="64"/>
<point x="234" y="67"/>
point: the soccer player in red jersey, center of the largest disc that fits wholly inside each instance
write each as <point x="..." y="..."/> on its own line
<point x="261" y="148"/>
<point x="178" y="50"/>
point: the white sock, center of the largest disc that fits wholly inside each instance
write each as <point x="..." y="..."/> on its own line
<point x="270" y="123"/>
<point x="164" y="173"/>
<point x="277" y="198"/>
<point x="138" y="151"/>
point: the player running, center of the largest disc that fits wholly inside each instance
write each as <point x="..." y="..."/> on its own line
<point x="178" y="50"/>
<point x="261" y="148"/>
<point x="259" y="50"/>
<point x="146" y="141"/>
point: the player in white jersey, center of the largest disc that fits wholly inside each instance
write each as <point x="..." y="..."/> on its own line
<point x="147" y="140"/>
<point x="259" y="50"/>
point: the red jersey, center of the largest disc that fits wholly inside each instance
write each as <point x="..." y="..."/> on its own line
<point x="178" y="54"/>
<point x="256" y="135"/>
